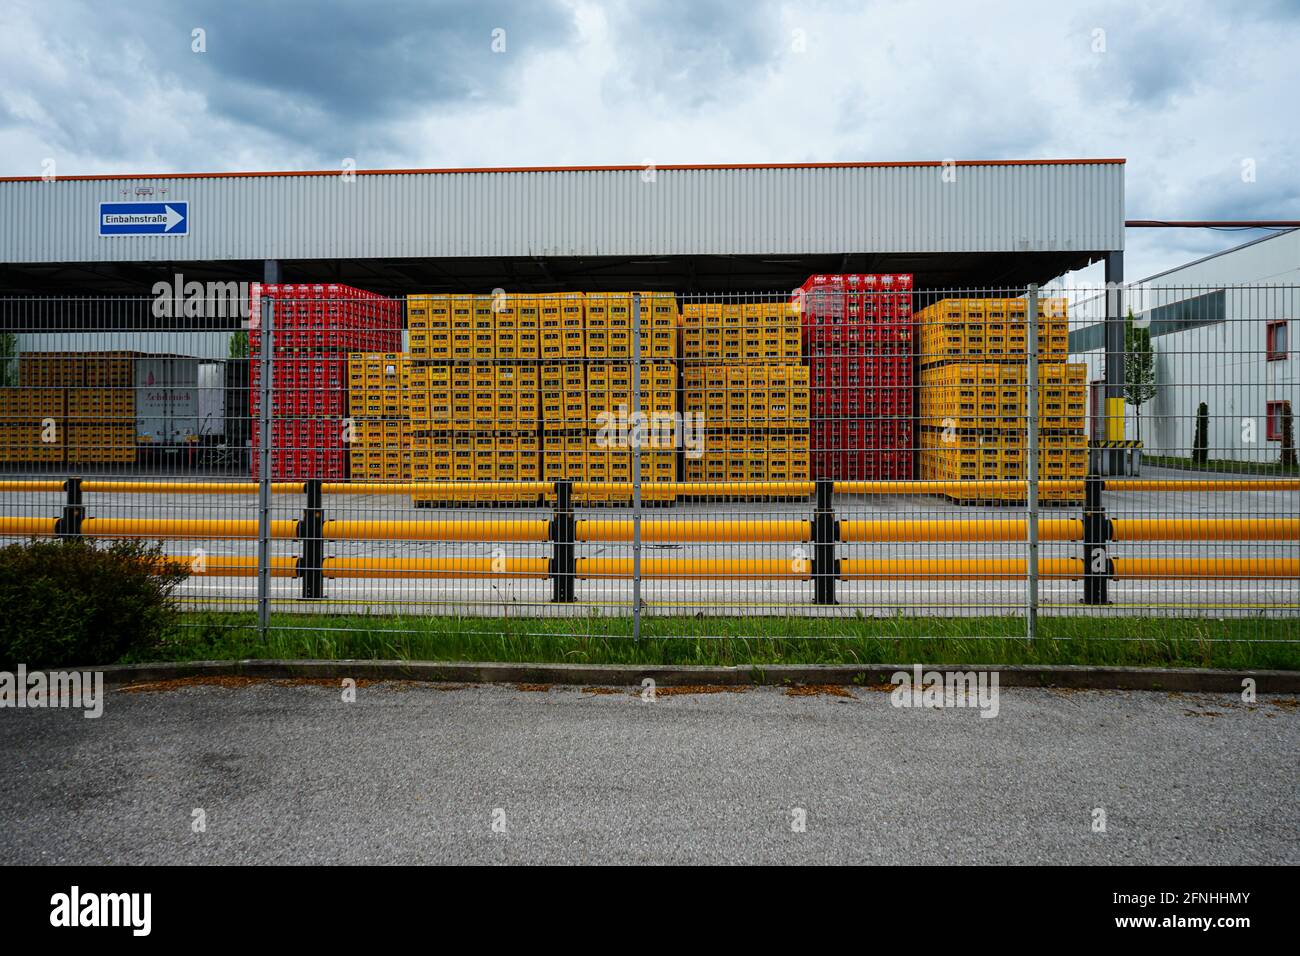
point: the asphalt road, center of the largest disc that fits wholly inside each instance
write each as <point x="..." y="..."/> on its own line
<point x="418" y="773"/>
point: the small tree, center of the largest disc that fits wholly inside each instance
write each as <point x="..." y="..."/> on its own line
<point x="8" y="356"/>
<point x="1288" y="437"/>
<point x="1139" y="368"/>
<point x="239" y="345"/>
<point x="1201" y="440"/>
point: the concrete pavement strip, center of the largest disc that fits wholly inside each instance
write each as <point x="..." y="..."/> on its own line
<point x="1011" y="675"/>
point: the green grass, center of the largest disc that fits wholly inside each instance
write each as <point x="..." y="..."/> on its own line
<point x="1223" y="466"/>
<point x="1134" y="641"/>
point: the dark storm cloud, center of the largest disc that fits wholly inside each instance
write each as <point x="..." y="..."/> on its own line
<point x="325" y="74"/>
<point x="361" y="61"/>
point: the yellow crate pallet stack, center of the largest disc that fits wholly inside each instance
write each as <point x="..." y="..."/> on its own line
<point x="97" y="422"/>
<point x="972" y="403"/>
<point x="755" y="422"/>
<point x="744" y="381"/>
<point x="377" y="434"/>
<point x="603" y="417"/>
<point x="101" y="421"/>
<point x="736" y="333"/>
<point x="608" y="326"/>
<point x="474" y="422"/>
<point x="32" y="425"/>
<point x="52" y="369"/>
<point x="586" y="399"/>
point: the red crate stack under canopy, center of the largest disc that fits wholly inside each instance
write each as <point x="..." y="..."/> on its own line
<point x="314" y="329"/>
<point x="858" y="336"/>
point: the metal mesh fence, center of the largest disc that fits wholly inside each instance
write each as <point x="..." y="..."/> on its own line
<point x="855" y="450"/>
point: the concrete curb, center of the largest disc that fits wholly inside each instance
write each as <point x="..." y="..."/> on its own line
<point x="1018" y="675"/>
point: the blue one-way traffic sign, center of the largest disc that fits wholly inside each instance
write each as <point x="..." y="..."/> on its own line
<point x="144" y="218"/>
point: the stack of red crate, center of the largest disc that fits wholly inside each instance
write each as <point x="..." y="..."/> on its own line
<point x="314" y="329"/>
<point x="858" y="333"/>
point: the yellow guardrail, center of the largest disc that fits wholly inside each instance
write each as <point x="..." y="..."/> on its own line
<point x="450" y="490"/>
<point x="233" y="566"/>
<point x="853" y="530"/>
<point x="713" y="569"/>
<point x="110" y="486"/>
<point x="1207" y="568"/>
<point x="1202" y="484"/>
<point x="450" y="529"/>
<point x="437" y="567"/>
<point x="31" y="485"/>
<point x="1205" y="529"/>
<point x="15" y="526"/>
<point x="232" y="528"/>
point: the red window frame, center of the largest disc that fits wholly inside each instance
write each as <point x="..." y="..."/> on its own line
<point x="1275" y="354"/>
<point x="1273" y="420"/>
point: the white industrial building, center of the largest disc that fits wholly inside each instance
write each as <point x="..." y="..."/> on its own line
<point x="1223" y="333"/>
<point x="690" y="228"/>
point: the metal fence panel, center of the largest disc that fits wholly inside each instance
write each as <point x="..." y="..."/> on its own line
<point x="836" y="459"/>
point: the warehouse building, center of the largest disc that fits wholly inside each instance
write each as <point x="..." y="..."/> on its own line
<point x="146" y="251"/>
<point x="1222" y="332"/>
<point x="680" y="228"/>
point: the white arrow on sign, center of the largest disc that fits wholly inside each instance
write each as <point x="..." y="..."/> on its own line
<point x="173" y="219"/>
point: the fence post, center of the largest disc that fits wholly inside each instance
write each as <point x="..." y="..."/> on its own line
<point x="1031" y="484"/>
<point x="265" y="365"/>
<point x="1096" y="532"/>
<point x="68" y="527"/>
<point x="635" y="435"/>
<point x="311" y="531"/>
<point x="825" y="568"/>
<point x="563" y="562"/>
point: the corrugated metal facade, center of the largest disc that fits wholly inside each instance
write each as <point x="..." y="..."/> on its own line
<point x="1050" y="207"/>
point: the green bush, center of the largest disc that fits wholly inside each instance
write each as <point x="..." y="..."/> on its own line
<point x="77" y="604"/>
<point x="1201" y="438"/>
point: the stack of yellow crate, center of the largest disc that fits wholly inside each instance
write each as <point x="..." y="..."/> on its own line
<point x="733" y="333"/>
<point x="474" y="422"/>
<point x="586" y="390"/>
<point x="52" y="369"/>
<point x="76" y="369"/>
<point x="609" y="326"/>
<point x="32" y="428"/>
<point x="526" y="387"/>
<point x="754" y="419"/>
<point x="745" y="385"/>
<point x="101" y="420"/>
<point x="972" y="402"/>
<point x="378" y="437"/>
<point x="77" y="407"/>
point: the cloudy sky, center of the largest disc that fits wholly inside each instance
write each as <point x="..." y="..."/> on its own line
<point x="1195" y="95"/>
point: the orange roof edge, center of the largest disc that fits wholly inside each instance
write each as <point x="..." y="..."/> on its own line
<point x="571" y="169"/>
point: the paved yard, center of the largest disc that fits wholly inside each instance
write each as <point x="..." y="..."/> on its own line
<point x="416" y="773"/>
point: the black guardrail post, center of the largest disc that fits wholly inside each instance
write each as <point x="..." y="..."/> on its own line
<point x="564" y="562"/>
<point x="311" y="531"/>
<point x="1096" y="532"/>
<point x="825" y="567"/>
<point x="68" y="527"/>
